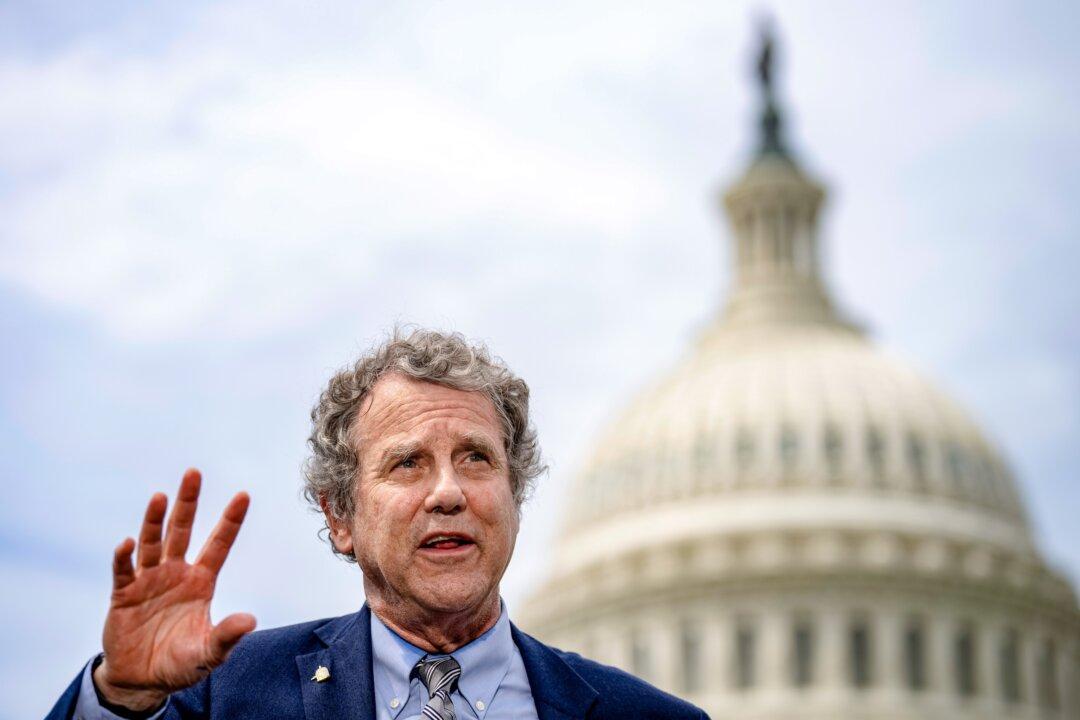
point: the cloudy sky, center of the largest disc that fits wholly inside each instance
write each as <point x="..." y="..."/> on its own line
<point x="206" y="207"/>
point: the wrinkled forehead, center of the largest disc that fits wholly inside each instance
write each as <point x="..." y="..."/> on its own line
<point x="398" y="407"/>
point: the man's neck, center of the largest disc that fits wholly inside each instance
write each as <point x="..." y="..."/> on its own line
<point x="436" y="632"/>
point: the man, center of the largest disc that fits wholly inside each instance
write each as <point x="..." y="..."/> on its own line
<point x="422" y="453"/>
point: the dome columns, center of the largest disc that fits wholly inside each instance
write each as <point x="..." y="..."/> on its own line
<point x="832" y="629"/>
<point x="775" y="233"/>
<point x="773" y="218"/>
<point x="888" y="635"/>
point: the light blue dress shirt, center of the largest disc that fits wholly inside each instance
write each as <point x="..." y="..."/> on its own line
<point x="493" y="684"/>
<point x="88" y="708"/>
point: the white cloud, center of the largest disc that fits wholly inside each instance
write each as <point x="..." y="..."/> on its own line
<point x="220" y="184"/>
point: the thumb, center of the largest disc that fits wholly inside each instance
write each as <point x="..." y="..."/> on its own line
<point x="225" y="635"/>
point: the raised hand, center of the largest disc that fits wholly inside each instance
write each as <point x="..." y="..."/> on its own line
<point x="158" y="636"/>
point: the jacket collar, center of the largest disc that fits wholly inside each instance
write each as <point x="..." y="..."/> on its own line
<point x="349" y="691"/>
<point x="558" y="692"/>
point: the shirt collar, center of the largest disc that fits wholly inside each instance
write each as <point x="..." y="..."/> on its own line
<point x="484" y="661"/>
<point x="393" y="660"/>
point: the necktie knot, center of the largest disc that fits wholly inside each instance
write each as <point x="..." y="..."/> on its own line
<point x="440" y="677"/>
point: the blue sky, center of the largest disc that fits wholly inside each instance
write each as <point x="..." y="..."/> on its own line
<point x="206" y="207"/>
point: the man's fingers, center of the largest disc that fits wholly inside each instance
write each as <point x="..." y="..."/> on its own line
<point x="122" y="570"/>
<point x="178" y="532"/>
<point x="226" y="634"/>
<point x="150" y="534"/>
<point x="221" y="539"/>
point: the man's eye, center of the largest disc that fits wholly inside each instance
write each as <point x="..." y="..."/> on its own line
<point x="477" y="456"/>
<point x="407" y="463"/>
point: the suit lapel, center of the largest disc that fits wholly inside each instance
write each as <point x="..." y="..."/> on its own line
<point x="558" y="692"/>
<point x="349" y="691"/>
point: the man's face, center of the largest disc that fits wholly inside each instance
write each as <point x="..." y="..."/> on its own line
<point x="435" y="519"/>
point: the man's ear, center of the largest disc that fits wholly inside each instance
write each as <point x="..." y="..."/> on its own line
<point x="340" y="532"/>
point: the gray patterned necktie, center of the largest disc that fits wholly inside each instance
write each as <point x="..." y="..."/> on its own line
<point x="440" y="677"/>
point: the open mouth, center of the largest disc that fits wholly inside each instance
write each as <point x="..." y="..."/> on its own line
<point x="446" y="542"/>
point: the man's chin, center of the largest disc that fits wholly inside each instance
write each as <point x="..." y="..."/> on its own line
<point x="456" y="597"/>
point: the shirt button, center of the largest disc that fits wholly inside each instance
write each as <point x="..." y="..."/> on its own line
<point x="394" y="703"/>
<point x="479" y="704"/>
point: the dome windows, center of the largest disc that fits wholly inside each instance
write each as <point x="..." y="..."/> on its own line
<point x="1009" y="662"/>
<point x="633" y="481"/>
<point x="916" y="459"/>
<point x="640" y="658"/>
<point x="690" y="654"/>
<point x="915" y="656"/>
<point x="875" y="455"/>
<point x="745" y="662"/>
<point x="988" y="485"/>
<point x="1049" y="697"/>
<point x="789" y="450"/>
<point x="744" y="451"/>
<point x="964" y="661"/>
<point x="954" y="459"/>
<point x="859" y="658"/>
<point x="833" y="448"/>
<point x="802" y="651"/>
<point x="703" y="459"/>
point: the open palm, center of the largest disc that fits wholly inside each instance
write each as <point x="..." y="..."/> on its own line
<point x="158" y="636"/>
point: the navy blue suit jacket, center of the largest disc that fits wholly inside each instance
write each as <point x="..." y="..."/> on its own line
<point x="268" y="677"/>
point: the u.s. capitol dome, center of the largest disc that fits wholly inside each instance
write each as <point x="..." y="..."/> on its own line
<point x="792" y="524"/>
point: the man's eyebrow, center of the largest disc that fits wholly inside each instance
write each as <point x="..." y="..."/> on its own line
<point x="476" y="441"/>
<point x="396" y="453"/>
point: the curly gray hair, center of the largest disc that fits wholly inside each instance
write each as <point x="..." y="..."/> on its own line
<point x="444" y="358"/>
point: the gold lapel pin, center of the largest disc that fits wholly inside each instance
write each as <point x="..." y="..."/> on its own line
<point x="322" y="674"/>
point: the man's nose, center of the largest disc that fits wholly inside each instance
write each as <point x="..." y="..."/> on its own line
<point x="446" y="495"/>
